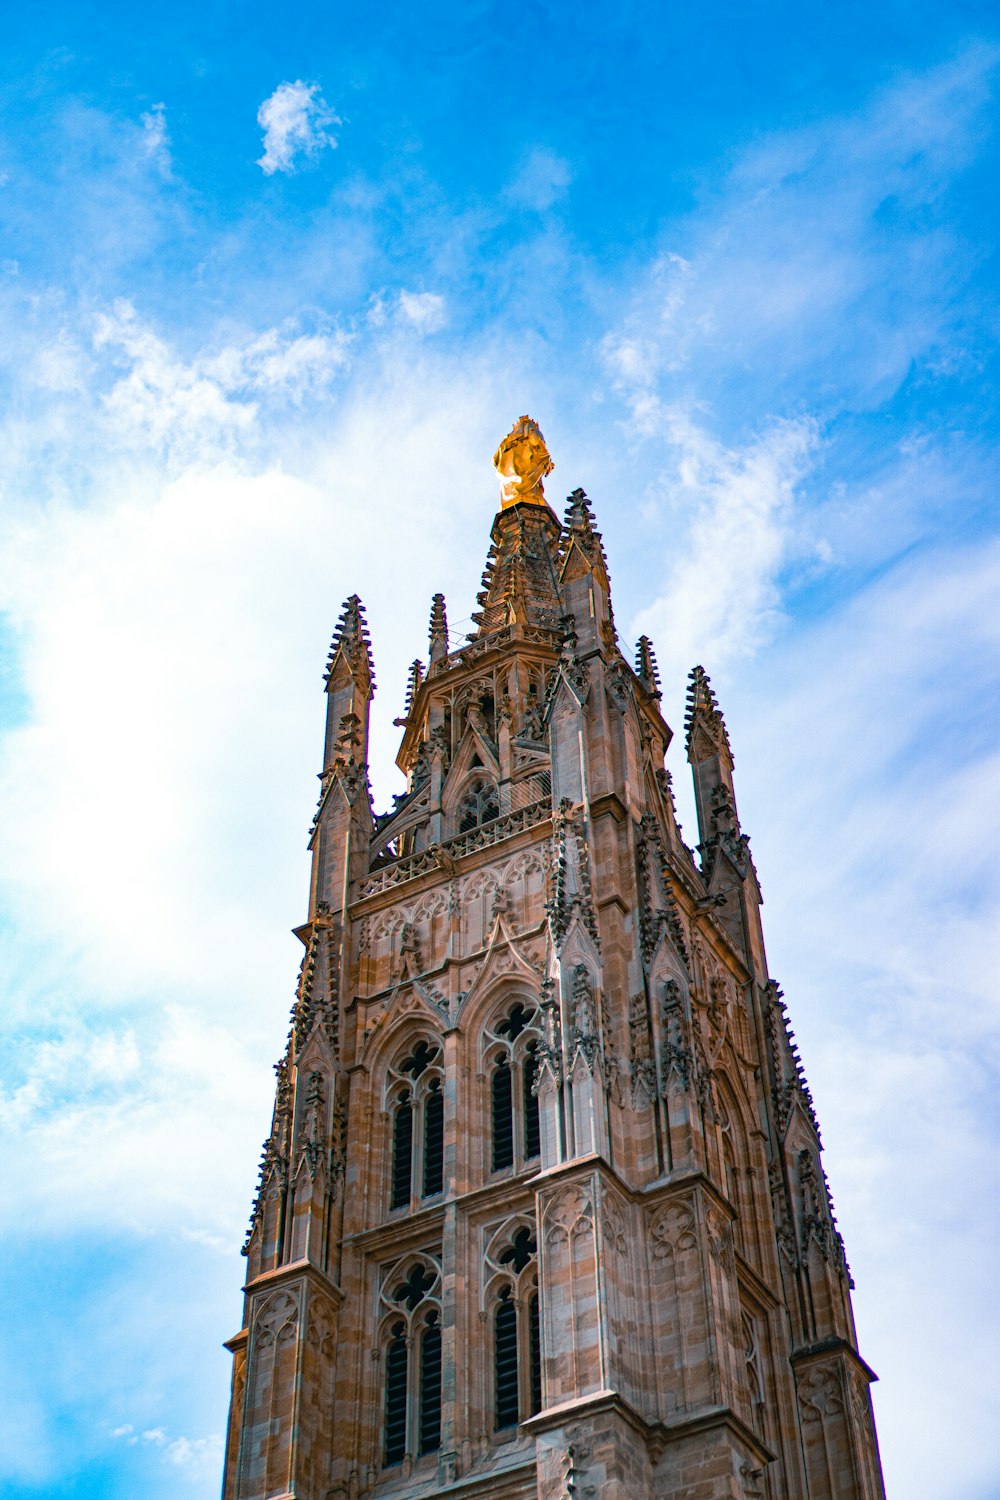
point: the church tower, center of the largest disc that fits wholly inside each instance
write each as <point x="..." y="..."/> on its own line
<point x="542" y="1211"/>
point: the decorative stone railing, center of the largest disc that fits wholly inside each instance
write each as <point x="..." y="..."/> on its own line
<point x="438" y="855"/>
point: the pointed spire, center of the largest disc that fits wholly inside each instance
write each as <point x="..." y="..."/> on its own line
<point x="413" y="686"/>
<point x="579" y="514"/>
<point x="351" y="644"/>
<point x="704" y="716"/>
<point x="520" y="585"/>
<point x="438" y="647"/>
<point x="582" y="557"/>
<point x="646" y="669"/>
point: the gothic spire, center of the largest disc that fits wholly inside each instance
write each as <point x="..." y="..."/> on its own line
<point x="703" y="719"/>
<point x="582" y="564"/>
<point x="351" y="647"/>
<point x="413" y="685"/>
<point x="520" y="585"/>
<point x="580" y="529"/>
<point x="646" y="669"/>
<point x="438" y="647"/>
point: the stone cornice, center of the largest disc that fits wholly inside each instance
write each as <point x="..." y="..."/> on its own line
<point x="294" y="1270"/>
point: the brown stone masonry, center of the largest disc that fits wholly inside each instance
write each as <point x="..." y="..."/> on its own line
<point x="542" y="1210"/>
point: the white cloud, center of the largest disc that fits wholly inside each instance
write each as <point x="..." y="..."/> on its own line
<point x="297" y="121"/>
<point x="865" y="759"/>
<point x="202" y="406"/>
<point x="731" y="528"/>
<point x="155" y="137"/>
<point x="425" y="310"/>
<point x="197" y="1456"/>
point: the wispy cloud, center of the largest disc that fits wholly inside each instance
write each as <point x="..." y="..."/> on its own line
<point x="731" y="535"/>
<point x="297" y="122"/>
<point x="824" y="266"/>
<point x="425" y="310"/>
<point x="155" y="137"/>
<point x="199" y="404"/>
<point x="202" y="1455"/>
<point x="542" y="179"/>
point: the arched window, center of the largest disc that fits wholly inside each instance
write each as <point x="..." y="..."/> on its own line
<point x="412" y="1343"/>
<point x="512" y="1067"/>
<point x="480" y="804"/>
<point x="513" y="1290"/>
<point x="416" y="1110"/>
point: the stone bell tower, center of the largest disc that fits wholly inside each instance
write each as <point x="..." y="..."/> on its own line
<point x="542" y="1211"/>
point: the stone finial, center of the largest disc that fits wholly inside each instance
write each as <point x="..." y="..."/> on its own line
<point x="646" y="669"/>
<point x="703" y="720"/>
<point x="413" y="685"/>
<point x="351" y="644"/>
<point x="438" y="647"/>
<point x="522" y="461"/>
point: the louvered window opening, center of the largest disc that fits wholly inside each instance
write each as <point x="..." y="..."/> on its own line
<point x="433" y="1141"/>
<point x="535" y="1352"/>
<point x="503" y="1117"/>
<point x="505" y="1357"/>
<point x="402" y="1153"/>
<point x="430" y="1389"/>
<point x="395" y="1398"/>
<point x="532" y="1133"/>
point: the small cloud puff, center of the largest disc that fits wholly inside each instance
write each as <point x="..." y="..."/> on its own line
<point x="543" y="178"/>
<point x="202" y="1454"/>
<point x="155" y="138"/>
<point x="296" y="120"/>
<point x="425" y="310"/>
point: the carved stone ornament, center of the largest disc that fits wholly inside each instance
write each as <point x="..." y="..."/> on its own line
<point x="820" y="1394"/>
<point x="673" y="1231"/>
<point x="568" y="1213"/>
<point x="643" y="1069"/>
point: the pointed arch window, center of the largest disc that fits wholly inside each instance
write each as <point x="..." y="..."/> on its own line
<point x="416" y="1112"/>
<point x="479" y="805"/>
<point x="513" y="1291"/>
<point x="512" y="1069"/>
<point x="412" y="1352"/>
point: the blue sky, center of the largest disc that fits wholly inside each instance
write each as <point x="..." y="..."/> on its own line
<point x="271" y="290"/>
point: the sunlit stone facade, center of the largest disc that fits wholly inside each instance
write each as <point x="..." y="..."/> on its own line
<point x="542" y="1211"/>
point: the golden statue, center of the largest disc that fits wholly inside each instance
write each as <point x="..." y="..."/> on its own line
<point x="522" y="461"/>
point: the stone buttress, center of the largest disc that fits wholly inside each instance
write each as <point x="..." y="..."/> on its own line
<point x="542" y="1210"/>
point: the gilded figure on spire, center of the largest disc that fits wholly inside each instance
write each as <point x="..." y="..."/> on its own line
<point x="522" y="461"/>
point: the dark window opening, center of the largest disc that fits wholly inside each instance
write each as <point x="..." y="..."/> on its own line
<point x="402" y="1153"/>
<point x="503" y="1117"/>
<point x="520" y="1250"/>
<point x="415" y="1288"/>
<point x="420" y="1059"/>
<point x="535" y="1341"/>
<point x="433" y="1140"/>
<point x="430" y="1387"/>
<point x="513" y="1024"/>
<point x="505" y="1331"/>
<point x="532" y="1131"/>
<point x="395" y="1397"/>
